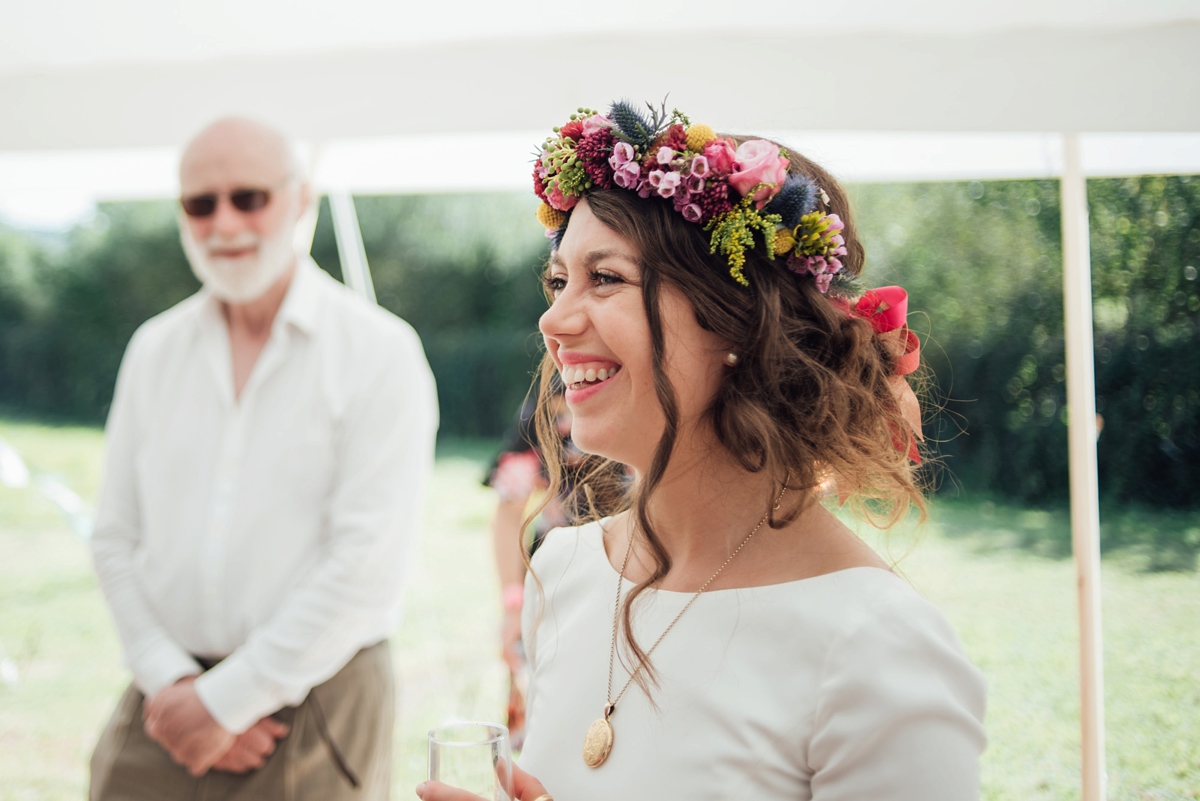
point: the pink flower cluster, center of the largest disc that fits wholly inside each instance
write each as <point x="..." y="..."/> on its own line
<point x="590" y="152"/>
<point x="589" y="140"/>
<point x="688" y="181"/>
<point x="823" y="267"/>
<point x="708" y="179"/>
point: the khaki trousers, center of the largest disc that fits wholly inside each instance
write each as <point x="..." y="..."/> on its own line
<point x="341" y="733"/>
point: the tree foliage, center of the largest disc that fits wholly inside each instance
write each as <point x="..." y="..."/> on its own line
<point x="460" y="268"/>
<point x="463" y="270"/>
<point x="79" y="299"/>
<point x="981" y="262"/>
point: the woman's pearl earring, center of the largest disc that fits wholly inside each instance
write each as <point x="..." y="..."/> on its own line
<point x="731" y="359"/>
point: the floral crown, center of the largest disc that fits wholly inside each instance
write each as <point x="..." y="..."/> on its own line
<point x="734" y="191"/>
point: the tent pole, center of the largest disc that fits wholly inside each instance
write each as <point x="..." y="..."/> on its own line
<point x="1081" y="443"/>
<point x="351" y="251"/>
<point x="306" y="226"/>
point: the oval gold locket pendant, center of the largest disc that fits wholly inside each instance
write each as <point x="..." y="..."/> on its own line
<point x="598" y="743"/>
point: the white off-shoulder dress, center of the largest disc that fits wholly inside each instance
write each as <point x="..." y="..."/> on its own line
<point x="844" y="687"/>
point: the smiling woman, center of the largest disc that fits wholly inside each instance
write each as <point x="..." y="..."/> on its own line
<point x="705" y="318"/>
<point x="601" y="295"/>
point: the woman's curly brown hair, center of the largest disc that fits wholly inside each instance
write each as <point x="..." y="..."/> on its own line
<point x="808" y="402"/>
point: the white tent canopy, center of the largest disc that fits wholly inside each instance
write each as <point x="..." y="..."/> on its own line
<point x="51" y="189"/>
<point x="94" y="98"/>
<point x="129" y="73"/>
<point x="396" y="96"/>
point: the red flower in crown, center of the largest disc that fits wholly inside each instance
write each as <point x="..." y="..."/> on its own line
<point x="676" y="138"/>
<point x="572" y="130"/>
<point x="594" y="151"/>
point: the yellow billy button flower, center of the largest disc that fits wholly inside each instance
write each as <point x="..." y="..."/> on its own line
<point x="698" y="136"/>
<point x="784" y="242"/>
<point x="550" y="217"/>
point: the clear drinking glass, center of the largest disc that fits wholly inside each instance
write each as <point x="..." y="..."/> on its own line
<point x="475" y="757"/>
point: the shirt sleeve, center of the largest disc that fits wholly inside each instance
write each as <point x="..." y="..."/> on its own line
<point x="155" y="659"/>
<point x="900" y="714"/>
<point x="384" y="459"/>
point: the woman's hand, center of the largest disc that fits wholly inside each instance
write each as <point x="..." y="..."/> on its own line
<point x="525" y="788"/>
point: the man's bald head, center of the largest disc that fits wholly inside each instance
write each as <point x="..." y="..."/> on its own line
<point x="235" y="151"/>
<point x="245" y="178"/>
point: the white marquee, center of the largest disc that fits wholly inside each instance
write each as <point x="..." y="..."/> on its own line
<point x="94" y="96"/>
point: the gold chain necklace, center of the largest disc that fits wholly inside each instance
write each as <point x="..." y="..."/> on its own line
<point x="598" y="743"/>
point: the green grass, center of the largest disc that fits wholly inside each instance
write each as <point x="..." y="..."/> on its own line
<point x="996" y="571"/>
<point x="1015" y="611"/>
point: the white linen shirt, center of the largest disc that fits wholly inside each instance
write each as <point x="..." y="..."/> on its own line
<point x="273" y="529"/>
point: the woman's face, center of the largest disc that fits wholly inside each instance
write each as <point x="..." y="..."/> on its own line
<point x="597" y="333"/>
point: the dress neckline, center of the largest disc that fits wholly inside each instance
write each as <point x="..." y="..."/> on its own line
<point x="810" y="580"/>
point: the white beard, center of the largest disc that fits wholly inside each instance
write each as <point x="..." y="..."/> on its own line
<point x="243" y="279"/>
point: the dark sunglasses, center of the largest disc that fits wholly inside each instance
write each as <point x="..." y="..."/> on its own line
<point x="242" y="199"/>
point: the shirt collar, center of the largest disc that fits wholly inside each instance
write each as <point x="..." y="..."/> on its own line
<point x="301" y="305"/>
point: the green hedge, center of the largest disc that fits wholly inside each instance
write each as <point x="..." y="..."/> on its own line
<point x="981" y="262"/>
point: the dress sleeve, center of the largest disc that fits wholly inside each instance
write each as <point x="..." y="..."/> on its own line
<point x="547" y="568"/>
<point x="900" y="713"/>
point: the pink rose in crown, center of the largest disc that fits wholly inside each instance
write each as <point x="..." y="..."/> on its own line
<point x="595" y="123"/>
<point x="758" y="162"/>
<point x="560" y="201"/>
<point x="720" y="156"/>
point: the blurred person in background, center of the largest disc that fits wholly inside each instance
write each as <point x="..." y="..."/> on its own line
<point x="268" y="448"/>
<point x="519" y="475"/>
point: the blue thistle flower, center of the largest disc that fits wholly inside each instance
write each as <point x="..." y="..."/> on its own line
<point x="797" y="197"/>
<point x="632" y="126"/>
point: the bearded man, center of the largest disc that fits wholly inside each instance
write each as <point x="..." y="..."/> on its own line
<point x="268" y="448"/>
